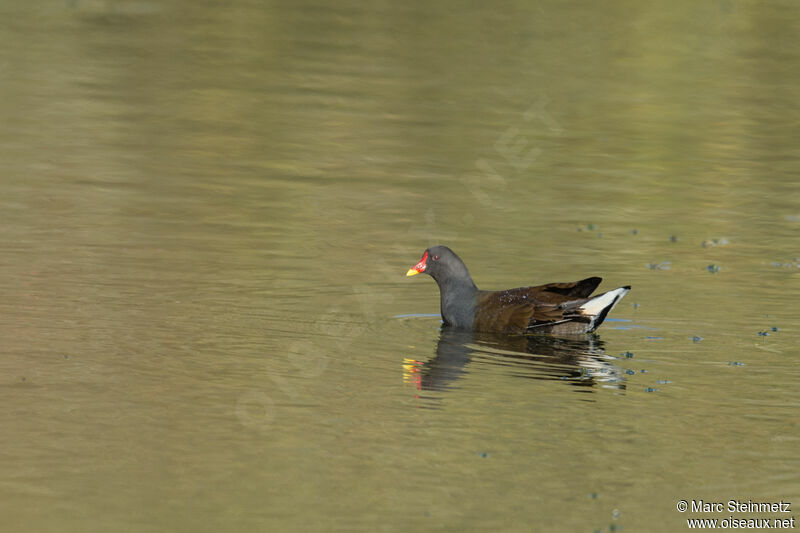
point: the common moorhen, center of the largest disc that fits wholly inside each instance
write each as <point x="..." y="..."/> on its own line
<point x="561" y="308"/>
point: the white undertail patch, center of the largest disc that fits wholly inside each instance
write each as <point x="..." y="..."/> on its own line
<point x="601" y="305"/>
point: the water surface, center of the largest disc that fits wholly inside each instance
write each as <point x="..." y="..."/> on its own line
<point x="207" y="212"/>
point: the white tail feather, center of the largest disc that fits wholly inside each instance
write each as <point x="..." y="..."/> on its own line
<point x="602" y="304"/>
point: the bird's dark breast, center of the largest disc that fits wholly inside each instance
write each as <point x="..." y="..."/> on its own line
<point x="458" y="310"/>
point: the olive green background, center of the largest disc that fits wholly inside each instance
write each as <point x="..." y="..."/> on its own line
<point x="208" y="207"/>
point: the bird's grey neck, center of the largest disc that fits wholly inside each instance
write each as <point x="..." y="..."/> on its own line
<point x="458" y="299"/>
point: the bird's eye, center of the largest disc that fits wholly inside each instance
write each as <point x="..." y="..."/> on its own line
<point x="435" y="257"/>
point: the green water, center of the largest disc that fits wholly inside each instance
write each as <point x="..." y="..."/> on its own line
<point x="208" y="210"/>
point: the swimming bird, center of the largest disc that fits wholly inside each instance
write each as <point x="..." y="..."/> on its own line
<point x="559" y="308"/>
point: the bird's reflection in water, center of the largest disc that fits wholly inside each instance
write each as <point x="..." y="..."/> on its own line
<point x="578" y="361"/>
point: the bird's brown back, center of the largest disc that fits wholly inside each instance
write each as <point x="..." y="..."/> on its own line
<point x="515" y="310"/>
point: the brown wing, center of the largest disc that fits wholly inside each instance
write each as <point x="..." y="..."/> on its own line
<point x="517" y="310"/>
<point x="572" y="290"/>
<point x="496" y="313"/>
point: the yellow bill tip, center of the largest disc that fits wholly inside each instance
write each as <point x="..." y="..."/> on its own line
<point x="412" y="272"/>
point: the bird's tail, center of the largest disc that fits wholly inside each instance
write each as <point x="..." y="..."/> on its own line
<point x="597" y="308"/>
